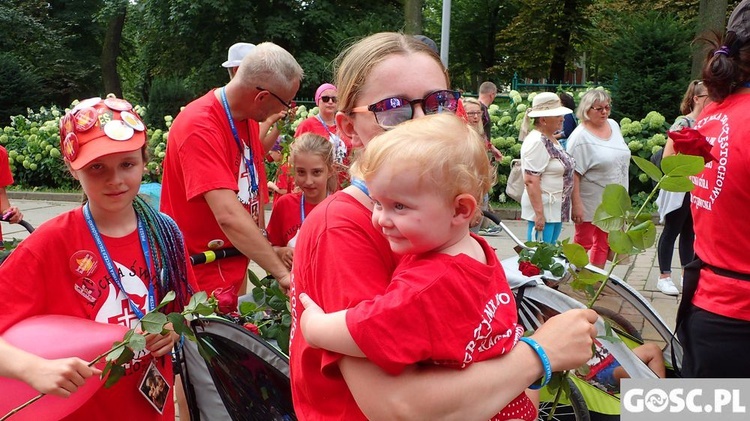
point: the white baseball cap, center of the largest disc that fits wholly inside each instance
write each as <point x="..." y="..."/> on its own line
<point x="236" y="53"/>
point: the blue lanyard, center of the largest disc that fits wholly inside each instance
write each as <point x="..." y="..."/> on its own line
<point x="360" y="184"/>
<point x="248" y="162"/>
<point x="109" y="264"/>
<point x="331" y="135"/>
<point x="302" y="209"/>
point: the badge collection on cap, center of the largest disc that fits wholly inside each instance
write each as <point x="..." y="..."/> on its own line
<point x="95" y="114"/>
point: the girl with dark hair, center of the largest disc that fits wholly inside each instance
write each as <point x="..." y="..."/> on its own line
<point x="714" y="316"/>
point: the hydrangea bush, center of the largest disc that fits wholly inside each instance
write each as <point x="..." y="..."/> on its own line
<point x="644" y="137"/>
<point x="33" y="143"/>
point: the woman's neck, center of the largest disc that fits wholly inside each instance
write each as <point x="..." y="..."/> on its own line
<point x="314" y="200"/>
<point x="114" y="224"/>
<point x="548" y="134"/>
<point x="329" y="120"/>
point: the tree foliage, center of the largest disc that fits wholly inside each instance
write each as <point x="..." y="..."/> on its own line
<point x="653" y="65"/>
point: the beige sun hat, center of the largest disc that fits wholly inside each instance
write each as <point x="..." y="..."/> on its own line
<point x="547" y="104"/>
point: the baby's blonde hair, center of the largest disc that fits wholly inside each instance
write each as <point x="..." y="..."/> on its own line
<point x="449" y="155"/>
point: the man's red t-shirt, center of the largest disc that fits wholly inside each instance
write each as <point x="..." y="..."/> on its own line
<point x="284" y="180"/>
<point x="202" y="155"/>
<point x="719" y="203"/>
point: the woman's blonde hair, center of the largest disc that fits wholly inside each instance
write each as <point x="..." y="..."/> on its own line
<point x="588" y="100"/>
<point x="450" y="157"/>
<point x="316" y="145"/>
<point x="354" y="64"/>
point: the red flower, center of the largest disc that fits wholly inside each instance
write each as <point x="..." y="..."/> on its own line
<point x="690" y="142"/>
<point x="528" y="269"/>
<point x="252" y="328"/>
<point x="226" y="299"/>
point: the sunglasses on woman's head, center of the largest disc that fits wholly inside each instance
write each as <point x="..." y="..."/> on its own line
<point x="390" y="112"/>
<point x="328" y="99"/>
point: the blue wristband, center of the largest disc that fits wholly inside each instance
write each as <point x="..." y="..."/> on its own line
<point x="545" y="362"/>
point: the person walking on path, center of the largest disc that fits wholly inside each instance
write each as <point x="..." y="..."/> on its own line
<point x="674" y="207"/>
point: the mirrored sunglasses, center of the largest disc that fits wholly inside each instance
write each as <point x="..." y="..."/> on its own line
<point x="390" y="112"/>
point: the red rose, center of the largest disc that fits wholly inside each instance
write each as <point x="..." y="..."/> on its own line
<point x="528" y="268"/>
<point x="252" y="328"/>
<point x="690" y="142"/>
<point x="226" y="299"/>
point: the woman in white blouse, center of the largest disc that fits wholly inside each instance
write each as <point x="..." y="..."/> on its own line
<point x="547" y="170"/>
<point x="602" y="158"/>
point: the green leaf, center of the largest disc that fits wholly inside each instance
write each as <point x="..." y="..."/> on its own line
<point x="682" y="165"/>
<point x="117" y="350"/>
<point x="643" y="235"/>
<point x="576" y="254"/>
<point x="606" y="221"/>
<point x="647" y="167"/>
<point x="137" y="343"/>
<point x="198" y="298"/>
<point x="126" y="356"/>
<point x="282" y="339"/>
<point x="115" y="374"/>
<point x="615" y="200"/>
<point x="620" y="243"/>
<point x="259" y="296"/>
<point x="677" y="184"/>
<point x="168" y="298"/>
<point x="557" y="269"/>
<point x="153" y="322"/>
<point x="588" y="277"/>
<point x="179" y="324"/>
<point x="253" y="278"/>
<point x="204" y="309"/>
<point x="248" y="307"/>
<point x="584" y="370"/>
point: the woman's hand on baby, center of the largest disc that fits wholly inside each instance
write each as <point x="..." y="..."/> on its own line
<point x="59" y="377"/>
<point x="568" y="338"/>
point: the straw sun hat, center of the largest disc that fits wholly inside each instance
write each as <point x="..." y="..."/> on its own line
<point x="547" y="104"/>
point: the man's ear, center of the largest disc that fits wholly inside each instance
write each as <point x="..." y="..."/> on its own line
<point x="464" y="208"/>
<point x="345" y="124"/>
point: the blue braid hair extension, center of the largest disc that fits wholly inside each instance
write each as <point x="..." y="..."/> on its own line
<point x="167" y="254"/>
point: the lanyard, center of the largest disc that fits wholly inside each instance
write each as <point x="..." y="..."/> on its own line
<point x="302" y="209"/>
<point x="109" y="264"/>
<point x="248" y="162"/>
<point x="360" y="184"/>
<point x="331" y="135"/>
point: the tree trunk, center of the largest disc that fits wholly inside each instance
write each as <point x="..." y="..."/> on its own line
<point x="560" y="52"/>
<point x="413" y="16"/>
<point x="712" y="15"/>
<point x="110" y="52"/>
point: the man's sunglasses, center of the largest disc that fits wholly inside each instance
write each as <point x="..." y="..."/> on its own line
<point x="328" y="99"/>
<point x="390" y="112"/>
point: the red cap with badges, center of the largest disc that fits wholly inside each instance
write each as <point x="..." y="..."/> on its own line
<point x="97" y="127"/>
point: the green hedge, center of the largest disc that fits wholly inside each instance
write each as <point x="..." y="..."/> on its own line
<point x="33" y="141"/>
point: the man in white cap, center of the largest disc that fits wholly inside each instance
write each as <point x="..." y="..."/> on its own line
<point x="235" y="55"/>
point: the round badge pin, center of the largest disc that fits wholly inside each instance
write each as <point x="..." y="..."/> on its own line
<point x="85" y="119"/>
<point x="70" y="146"/>
<point x="66" y="124"/>
<point x="215" y="244"/>
<point x="86" y="103"/>
<point x="117" y="130"/>
<point x="83" y="263"/>
<point x="118" y="104"/>
<point x="132" y="121"/>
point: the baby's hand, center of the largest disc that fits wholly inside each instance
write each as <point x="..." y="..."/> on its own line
<point x="311" y="314"/>
<point x="59" y="377"/>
